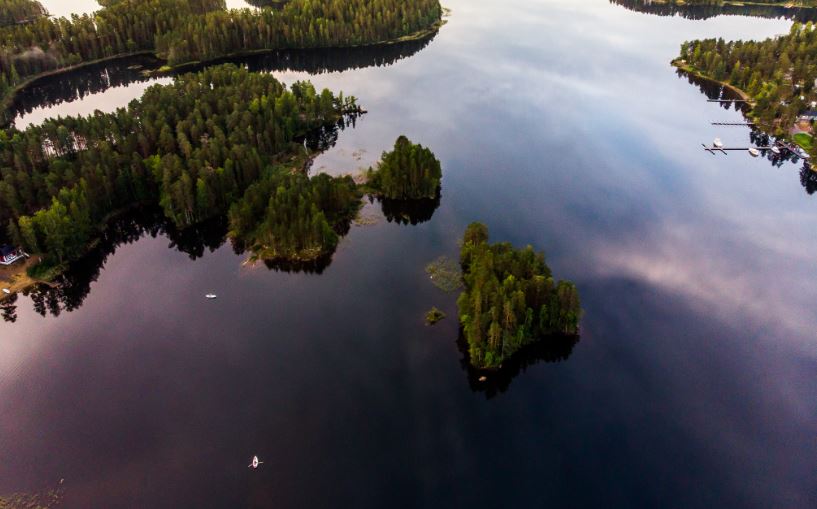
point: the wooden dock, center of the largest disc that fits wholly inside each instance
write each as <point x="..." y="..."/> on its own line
<point x="727" y="101"/>
<point x="734" y="123"/>
<point x="714" y="149"/>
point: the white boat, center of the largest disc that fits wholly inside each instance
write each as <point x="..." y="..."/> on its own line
<point x="717" y="143"/>
<point x="255" y="462"/>
<point x="754" y="152"/>
<point x="6" y="291"/>
<point x="211" y="296"/>
<point x="776" y="150"/>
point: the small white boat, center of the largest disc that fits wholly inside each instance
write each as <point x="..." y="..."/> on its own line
<point x="211" y="296"/>
<point x="254" y="463"/>
<point x="6" y="291"/>
<point x="754" y="152"/>
<point x="776" y="150"/>
<point x="717" y="143"/>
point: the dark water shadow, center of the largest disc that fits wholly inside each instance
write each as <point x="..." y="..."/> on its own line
<point x="702" y="12"/>
<point x="321" y="61"/>
<point x="77" y="85"/>
<point x="551" y="349"/>
<point x="70" y="289"/>
<point x="409" y="212"/>
<point x="715" y="90"/>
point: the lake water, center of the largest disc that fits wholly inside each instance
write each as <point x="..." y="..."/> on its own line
<point x="558" y="123"/>
<point x="65" y="8"/>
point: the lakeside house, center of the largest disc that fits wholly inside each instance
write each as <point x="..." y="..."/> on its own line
<point x="9" y="255"/>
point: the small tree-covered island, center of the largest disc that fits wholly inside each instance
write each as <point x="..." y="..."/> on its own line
<point x="510" y="299"/>
<point x="409" y="172"/>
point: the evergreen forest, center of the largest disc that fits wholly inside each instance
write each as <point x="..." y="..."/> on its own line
<point x="510" y="299"/>
<point x="408" y="172"/>
<point x="193" y="147"/>
<point x="186" y="31"/>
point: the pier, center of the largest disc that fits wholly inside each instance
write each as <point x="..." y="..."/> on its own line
<point x="714" y="149"/>
<point x="734" y="123"/>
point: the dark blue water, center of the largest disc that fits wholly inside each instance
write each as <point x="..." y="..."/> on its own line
<point x="559" y="124"/>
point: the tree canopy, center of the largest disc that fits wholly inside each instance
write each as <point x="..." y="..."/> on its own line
<point x="510" y="299"/>
<point x="193" y="147"/>
<point x="408" y="172"/>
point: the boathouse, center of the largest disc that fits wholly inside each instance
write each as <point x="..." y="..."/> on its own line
<point x="9" y="255"/>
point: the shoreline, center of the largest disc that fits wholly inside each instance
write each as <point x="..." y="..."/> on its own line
<point x="743" y="95"/>
<point x="6" y="102"/>
<point x="416" y="36"/>
<point x="694" y="72"/>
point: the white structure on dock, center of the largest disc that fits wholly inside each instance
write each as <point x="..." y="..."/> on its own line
<point x="9" y="255"/>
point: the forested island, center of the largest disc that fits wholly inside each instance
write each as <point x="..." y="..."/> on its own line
<point x="188" y="31"/>
<point x="510" y="299"/>
<point x="778" y="75"/>
<point x="408" y="172"/>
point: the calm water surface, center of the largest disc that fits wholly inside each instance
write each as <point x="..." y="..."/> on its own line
<point x="65" y="8"/>
<point x="559" y="124"/>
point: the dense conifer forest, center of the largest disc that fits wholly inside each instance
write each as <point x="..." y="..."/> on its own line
<point x="510" y="299"/>
<point x="291" y="217"/>
<point x="779" y="74"/>
<point x="193" y="147"/>
<point x="408" y="172"/>
<point x="183" y="31"/>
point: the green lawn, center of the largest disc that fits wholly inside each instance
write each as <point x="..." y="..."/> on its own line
<point x="804" y="140"/>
